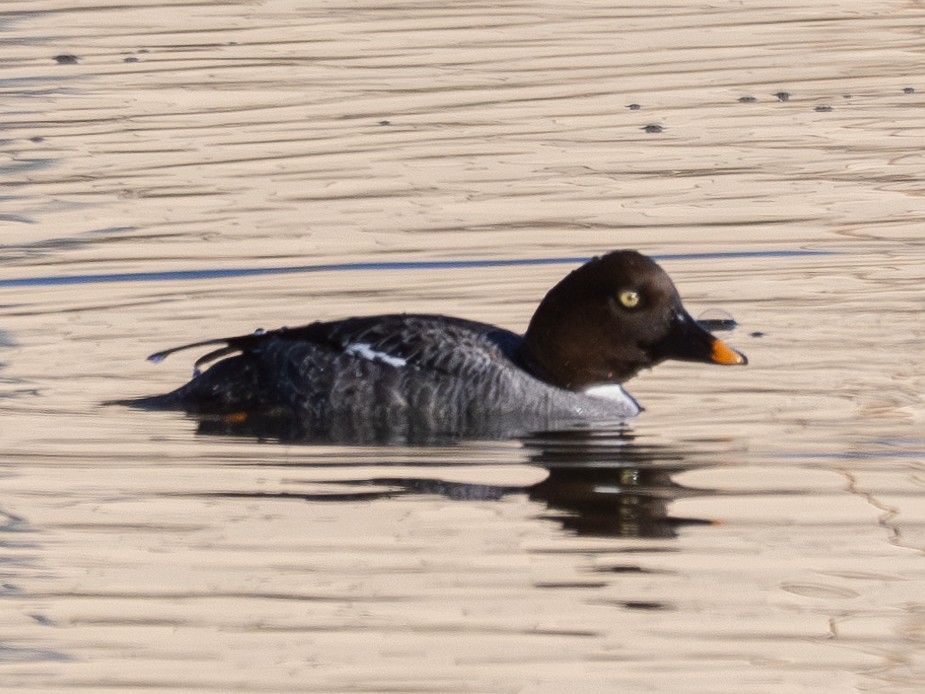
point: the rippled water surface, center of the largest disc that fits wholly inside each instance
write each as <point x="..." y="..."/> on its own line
<point x="178" y="171"/>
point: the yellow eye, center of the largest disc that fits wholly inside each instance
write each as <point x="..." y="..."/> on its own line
<point x="629" y="298"/>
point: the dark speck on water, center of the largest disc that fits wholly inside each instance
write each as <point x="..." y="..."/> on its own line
<point x="782" y="96"/>
<point x="130" y="59"/>
<point x="644" y="605"/>
<point x="654" y="128"/>
<point x="634" y="107"/>
<point x="823" y="108"/>
<point x="385" y="122"/>
<point x="757" y="333"/>
<point x="747" y="99"/>
<point x="909" y="90"/>
<point x="66" y="59"/>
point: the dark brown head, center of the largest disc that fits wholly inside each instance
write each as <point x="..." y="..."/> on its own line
<point x="611" y="317"/>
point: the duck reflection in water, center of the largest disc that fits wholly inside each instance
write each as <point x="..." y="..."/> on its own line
<point x="610" y="485"/>
<point x="599" y="483"/>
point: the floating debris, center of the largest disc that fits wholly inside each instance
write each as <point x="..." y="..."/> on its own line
<point x="66" y="59"/>
<point x="747" y="99"/>
<point x="716" y="319"/>
<point x="822" y="108"/>
<point x="782" y="96"/>
<point x="654" y="128"/>
<point x="634" y="107"/>
<point x="908" y="90"/>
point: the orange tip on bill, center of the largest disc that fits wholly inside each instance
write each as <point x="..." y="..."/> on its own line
<point x="723" y="354"/>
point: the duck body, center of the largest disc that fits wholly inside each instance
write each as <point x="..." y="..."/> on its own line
<point x="395" y="377"/>
<point x="416" y="377"/>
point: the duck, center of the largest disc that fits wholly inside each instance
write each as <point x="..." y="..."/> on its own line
<point x="425" y="377"/>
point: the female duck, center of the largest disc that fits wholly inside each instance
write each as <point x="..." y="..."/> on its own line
<point x="411" y="377"/>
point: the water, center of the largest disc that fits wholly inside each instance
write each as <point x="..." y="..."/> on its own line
<point x="208" y="169"/>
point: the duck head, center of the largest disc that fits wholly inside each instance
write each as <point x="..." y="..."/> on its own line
<point x="610" y="318"/>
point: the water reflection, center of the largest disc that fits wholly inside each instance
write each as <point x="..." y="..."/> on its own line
<point x="20" y="552"/>
<point x="598" y="483"/>
<point x="610" y="485"/>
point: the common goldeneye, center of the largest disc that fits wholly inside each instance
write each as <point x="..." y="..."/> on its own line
<point x="411" y="377"/>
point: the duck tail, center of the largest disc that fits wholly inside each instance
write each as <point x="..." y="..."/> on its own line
<point x="229" y="385"/>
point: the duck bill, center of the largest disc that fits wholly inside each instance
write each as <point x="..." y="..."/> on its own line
<point x="687" y="341"/>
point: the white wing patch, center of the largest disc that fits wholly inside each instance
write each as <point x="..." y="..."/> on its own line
<point x="365" y="351"/>
<point x="615" y="393"/>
